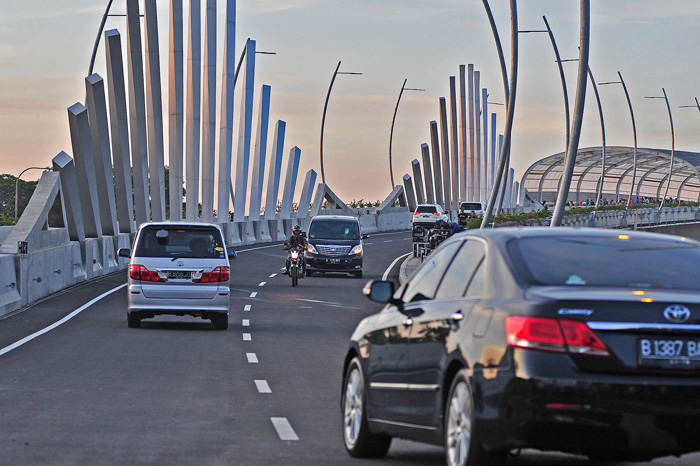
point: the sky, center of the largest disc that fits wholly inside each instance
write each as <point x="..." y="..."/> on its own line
<point x="45" y="48"/>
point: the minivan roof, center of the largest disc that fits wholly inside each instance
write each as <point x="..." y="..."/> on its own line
<point x="178" y="224"/>
<point x="334" y="217"/>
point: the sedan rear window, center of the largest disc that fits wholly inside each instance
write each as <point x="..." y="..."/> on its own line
<point x="607" y="262"/>
<point x="166" y="241"/>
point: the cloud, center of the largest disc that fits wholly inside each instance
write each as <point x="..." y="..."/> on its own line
<point x="7" y="51"/>
<point x="275" y="6"/>
<point x="646" y="11"/>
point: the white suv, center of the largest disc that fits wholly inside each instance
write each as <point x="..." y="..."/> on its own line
<point x="476" y="207"/>
<point x="427" y="215"/>
<point x="178" y="268"/>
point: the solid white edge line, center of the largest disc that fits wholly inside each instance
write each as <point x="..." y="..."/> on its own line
<point x="284" y="428"/>
<point x="386" y="272"/>
<point x="29" y="338"/>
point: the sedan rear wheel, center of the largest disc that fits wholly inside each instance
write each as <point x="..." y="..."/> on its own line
<point x="462" y="447"/>
<point x="359" y="441"/>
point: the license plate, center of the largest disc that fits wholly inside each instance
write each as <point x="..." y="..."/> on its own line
<point x="179" y="274"/>
<point x="333" y="261"/>
<point x="678" y="353"/>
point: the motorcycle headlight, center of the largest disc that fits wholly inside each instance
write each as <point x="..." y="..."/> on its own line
<point x="295" y="254"/>
<point x="311" y="249"/>
<point x="356" y="250"/>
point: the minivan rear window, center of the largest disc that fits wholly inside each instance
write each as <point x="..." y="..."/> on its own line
<point x="200" y="242"/>
<point x="607" y="262"/>
<point x="334" y="229"/>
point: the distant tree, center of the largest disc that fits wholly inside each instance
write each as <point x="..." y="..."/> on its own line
<point x="7" y="196"/>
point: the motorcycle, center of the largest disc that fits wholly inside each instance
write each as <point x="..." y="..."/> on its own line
<point x="296" y="264"/>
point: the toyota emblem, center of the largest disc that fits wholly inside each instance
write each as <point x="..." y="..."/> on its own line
<point x="677" y="313"/>
<point x="179" y="263"/>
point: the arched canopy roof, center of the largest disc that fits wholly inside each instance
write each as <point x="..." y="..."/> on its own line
<point x="650" y="179"/>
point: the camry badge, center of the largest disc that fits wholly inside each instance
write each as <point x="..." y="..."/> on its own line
<point x="575" y="312"/>
<point x="179" y="263"/>
<point x="677" y="313"/>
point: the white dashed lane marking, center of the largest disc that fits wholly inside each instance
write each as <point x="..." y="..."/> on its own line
<point x="253" y="294"/>
<point x="284" y="428"/>
<point x="247" y="308"/>
<point x="246" y="337"/>
<point x="263" y="386"/>
<point x="245" y="323"/>
<point x="273" y="275"/>
<point x="388" y="241"/>
<point x="252" y="358"/>
<point x="262" y="284"/>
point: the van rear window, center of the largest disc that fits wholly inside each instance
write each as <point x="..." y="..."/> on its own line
<point x="200" y="242"/>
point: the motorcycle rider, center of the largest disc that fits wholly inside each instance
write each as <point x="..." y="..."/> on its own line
<point x="296" y="240"/>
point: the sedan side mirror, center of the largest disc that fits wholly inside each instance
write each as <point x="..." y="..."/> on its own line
<point x="380" y="291"/>
<point x="365" y="236"/>
<point x="231" y="254"/>
<point x="124" y="252"/>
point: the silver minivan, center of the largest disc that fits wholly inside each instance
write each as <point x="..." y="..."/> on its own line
<point x="178" y="268"/>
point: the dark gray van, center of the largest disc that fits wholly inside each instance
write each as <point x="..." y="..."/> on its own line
<point x="335" y="245"/>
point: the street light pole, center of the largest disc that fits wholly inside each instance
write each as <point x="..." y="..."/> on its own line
<point x="323" y="119"/>
<point x="634" y="131"/>
<point x="572" y="149"/>
<point x="602" y="129"/>
<point x="510" y="91"/>
<point x="17" y="184"/>
<point x="393" y="120"/>
<point x="670" y="170"/>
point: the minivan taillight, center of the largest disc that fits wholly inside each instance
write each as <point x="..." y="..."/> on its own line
<point x="219" y="274"/>
<point x="139" y="272"/>
<point x="553" y="335"/>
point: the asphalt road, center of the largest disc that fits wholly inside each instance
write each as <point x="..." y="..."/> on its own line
<point x="91" y="391"/>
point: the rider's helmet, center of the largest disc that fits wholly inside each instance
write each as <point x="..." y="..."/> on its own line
<point x="296" y="229"/>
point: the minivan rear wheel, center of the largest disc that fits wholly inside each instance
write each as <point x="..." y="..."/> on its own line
<point x="220" y="321"/>
<point x="133" y="320"/>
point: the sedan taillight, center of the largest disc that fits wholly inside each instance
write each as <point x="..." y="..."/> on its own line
<point x="139" y="272"/>
<point x="553" y="335"/>
<point x="219" y="274"/>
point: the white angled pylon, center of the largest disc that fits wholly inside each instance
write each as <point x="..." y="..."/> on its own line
<point x="194" y="89"/>
<point x="259" y="155"/>
<point x="175" y="109"/>
<point x="226" y="123"/>
<point x="154" y="118"/>
<point x="209" y="113"/>
<point x="244" y="135"/>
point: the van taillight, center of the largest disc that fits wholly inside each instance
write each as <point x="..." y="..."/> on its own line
<point x="139" y="272"/>
<point x="553" y="335"/>
<point x="219" y="274"/>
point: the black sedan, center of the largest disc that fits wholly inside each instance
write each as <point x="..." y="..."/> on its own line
<point x="584" y="341"/>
